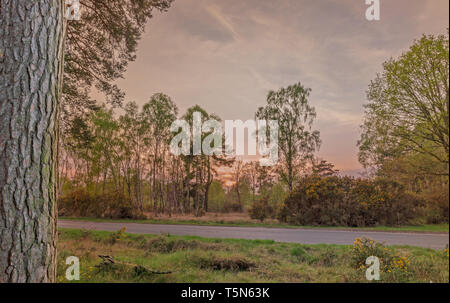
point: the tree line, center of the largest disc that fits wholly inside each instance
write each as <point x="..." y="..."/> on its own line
<point x="129" y="154"/>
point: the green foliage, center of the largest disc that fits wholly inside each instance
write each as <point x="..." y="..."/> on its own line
<point x="277" y="194"/>
<point x="302" y="255"/>
<point x="261" y="209"/>
<point x="268" y="203"/>
<point x="437" y="204"/>
<point x="411" y="96"/>
<point x="296" y="139"/>
<point x="344" y="201"/>
<point x="159" y="113"/>
<point x="98" y="50"/>
<point x="217" y="197"/>
<point x="422" y="175"/>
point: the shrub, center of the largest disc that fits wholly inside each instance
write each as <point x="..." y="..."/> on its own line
<point x="260" y="209"/>
<point x="437" y="205"/>
<point x="364" y="248"/>
<point x="81" y="203"/>
<point x="344" y="201"/>
<point x="392" y="205"/>
<point x="231" y="207"/>
<point x="389" y="262"/>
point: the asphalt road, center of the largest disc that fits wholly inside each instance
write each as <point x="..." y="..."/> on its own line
<point x="305" y="236"/>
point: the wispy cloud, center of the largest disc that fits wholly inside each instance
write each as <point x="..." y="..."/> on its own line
<point x="215" y="12"/>
<point x="226" y="55"/>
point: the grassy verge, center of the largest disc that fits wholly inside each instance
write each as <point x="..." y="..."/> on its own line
<point x="441" y="228"/>
<point x="194" y="259"/>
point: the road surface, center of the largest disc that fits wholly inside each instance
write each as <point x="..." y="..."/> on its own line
<point x="305" y="236"/>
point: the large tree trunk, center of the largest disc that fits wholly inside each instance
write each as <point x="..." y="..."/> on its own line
<point x="31" y="64"/>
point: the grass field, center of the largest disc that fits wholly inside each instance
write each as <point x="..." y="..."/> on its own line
<point x="194" y="259"/>
<point x="216" y="219"/>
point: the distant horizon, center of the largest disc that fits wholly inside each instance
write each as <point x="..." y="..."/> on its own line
<point x="226" y="58"/>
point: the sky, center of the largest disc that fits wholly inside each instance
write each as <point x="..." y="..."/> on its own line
<point x="226" y="55"/>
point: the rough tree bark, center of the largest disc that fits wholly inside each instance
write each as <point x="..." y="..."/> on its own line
<point x="31" y="64"/>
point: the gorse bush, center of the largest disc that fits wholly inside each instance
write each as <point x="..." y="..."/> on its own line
<point x="392" y="266"/>
<point x="345" y="201"/>
<point x="364" y="248"/>
<point x="386" y="202"/>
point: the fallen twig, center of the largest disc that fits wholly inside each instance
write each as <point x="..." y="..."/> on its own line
<point x="108" y="260"/>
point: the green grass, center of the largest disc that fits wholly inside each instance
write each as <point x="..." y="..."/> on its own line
<point x="194" y="259"/>
<point x="442" y="228"/>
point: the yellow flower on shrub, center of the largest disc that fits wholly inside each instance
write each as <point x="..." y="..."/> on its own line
<point x="401" y="263"/>
<point x="365" y="247"/>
